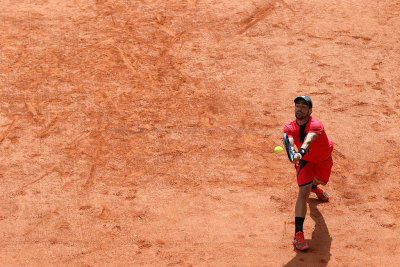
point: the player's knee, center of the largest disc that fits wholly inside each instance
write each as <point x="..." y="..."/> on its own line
<point x="304" y="192"/>
<point x="303" y="195"/>
<point x="316" y="181"/>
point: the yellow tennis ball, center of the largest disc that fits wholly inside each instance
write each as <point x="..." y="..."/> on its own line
<point x="278" y="149"/>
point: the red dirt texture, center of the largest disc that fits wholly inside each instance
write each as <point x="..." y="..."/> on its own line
<point x="142" y="133"/>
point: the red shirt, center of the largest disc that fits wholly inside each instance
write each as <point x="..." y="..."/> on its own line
<point x="320" y="149"/>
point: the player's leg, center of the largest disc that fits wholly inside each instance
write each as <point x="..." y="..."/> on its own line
<point x="301" y="202"/>
<point x="300" y="214"/>
<point x="305" y="176"/>
<point x="323" y="172"/>
<point x="317" y="182"/>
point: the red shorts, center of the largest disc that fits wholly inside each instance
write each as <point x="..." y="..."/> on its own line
<point x="306" y="171"/>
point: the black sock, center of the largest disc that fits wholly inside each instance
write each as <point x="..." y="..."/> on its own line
<point x="313" y="186"/>
<point x="299" y="221"/>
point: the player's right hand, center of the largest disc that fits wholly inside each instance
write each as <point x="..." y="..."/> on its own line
<point x="296" y="157"/>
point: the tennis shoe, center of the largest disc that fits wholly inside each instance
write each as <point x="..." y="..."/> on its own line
<point x="299" y="241"/>
<point x="321" y="194"/>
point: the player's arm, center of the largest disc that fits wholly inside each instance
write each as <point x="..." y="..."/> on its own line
<point x="291" y="141"/>
<point x="310" y="138"/>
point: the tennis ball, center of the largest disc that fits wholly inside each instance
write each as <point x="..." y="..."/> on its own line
<point x="278" y="149"/>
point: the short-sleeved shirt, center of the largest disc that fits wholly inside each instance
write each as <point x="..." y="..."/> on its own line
<point x="320" y="149"/>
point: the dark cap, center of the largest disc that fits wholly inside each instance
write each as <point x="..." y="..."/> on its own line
<point x="305" y="98"/>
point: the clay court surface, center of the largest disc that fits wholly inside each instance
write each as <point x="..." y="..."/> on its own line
<point x="142" y="133"/>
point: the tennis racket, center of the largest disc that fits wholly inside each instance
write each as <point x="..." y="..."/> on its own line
<point x="288" y="147"/>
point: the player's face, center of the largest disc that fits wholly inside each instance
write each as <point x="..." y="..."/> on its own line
<point x="301" y="110"/>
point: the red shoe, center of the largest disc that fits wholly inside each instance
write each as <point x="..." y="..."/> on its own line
<point x="299" y="241"/>
<point x="321" y="194"/>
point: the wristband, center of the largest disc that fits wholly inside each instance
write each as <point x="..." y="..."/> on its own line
<point x="302" y="152"/>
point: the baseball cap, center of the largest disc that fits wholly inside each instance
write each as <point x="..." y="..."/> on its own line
<point x="305" y="98"/>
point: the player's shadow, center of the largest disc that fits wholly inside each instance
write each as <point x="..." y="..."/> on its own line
<point x="320" y="244"/>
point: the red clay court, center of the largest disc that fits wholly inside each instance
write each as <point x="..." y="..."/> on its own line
<point x="142" y="133"/>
